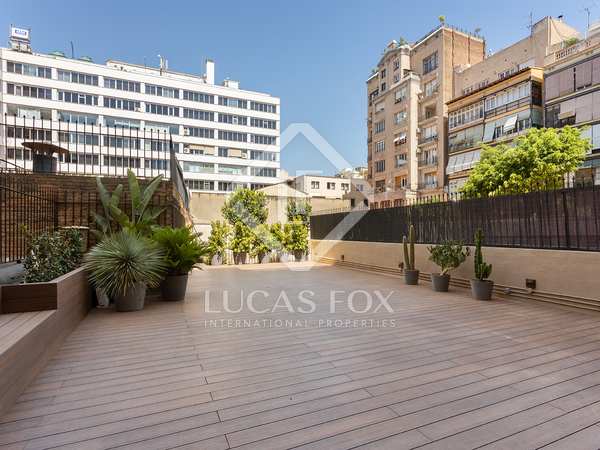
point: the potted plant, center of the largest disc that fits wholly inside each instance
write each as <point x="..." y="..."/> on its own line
<point x="218" y="241"/>
<point x="263" y="243"/>
<point x="241" y="243"/>
<point x="183" y="250"/>
<point x="122" y="265"/>
<point x="481" y="287"/>
<point x="447" y="256"/>
<point x="411" y="275"/>
<point x="297" y="238"/>
<point x="279" y="241"/>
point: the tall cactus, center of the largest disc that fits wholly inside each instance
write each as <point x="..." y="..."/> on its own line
<point x="482" y="269"/>
<point x="409" y="249"/>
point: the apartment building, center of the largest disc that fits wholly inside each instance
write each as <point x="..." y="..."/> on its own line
<point x="500" y="97"/>
<point x="225" y="137"/>
<point x="319" y="186"/>
<point x="572" y="92"/>
<point x="407" y="95"/>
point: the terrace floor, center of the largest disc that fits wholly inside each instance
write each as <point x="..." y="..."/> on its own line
<point x="452" y="373"/>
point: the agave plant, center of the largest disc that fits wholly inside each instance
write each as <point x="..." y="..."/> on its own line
<point x="122" y="260"/>
<point x="183" y="248"/>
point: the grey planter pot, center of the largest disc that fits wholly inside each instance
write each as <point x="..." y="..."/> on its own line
<point x="133" y="300"/>
<point x="411" y="277"/>
<point x="298" y="255"/>
<point x="103" y="300"/>
<point x="240" y="258"/>
<point x="216" y="260"/>
<point x="173" y="287"/>
<point x="482" y="290"/>
<point x="264" y="258"/>
<point x="439" y="282"/>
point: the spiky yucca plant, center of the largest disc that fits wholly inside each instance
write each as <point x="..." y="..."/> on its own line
<point x="122" y="260"/>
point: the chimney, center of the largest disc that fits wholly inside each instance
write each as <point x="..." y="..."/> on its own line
<point x="210" y="71"/>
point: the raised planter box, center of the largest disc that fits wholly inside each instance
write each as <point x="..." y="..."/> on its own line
<point x="29" y="297"/>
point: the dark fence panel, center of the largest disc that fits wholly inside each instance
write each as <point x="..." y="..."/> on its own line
<point x="549" y="219"/>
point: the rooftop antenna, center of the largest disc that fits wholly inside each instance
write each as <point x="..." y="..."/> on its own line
<point x="72" y="50"/>
<point x="530" y="26"/>
<point x="587" y="30"/>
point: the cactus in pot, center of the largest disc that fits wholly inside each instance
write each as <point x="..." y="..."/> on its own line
<point x="411" y="275"/>
<point x="481" y="287"/>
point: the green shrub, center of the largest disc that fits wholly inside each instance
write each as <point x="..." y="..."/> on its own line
<point x="299" y="210"/>
<point x="448" y="255"/>
<point x="182" y="246"/>
<point x="279" y="237"/>
<point x="218" y="241"/>
<point x="122" y="260"/>
<point x="246" y="206"/>
<point x="52" y="254"/>
<point x="242" y="238"/>
<point x="296" y="236"/>
<point x="264" y="241"/>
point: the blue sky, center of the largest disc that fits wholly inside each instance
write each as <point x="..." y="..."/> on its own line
<point x="314" y="55"/>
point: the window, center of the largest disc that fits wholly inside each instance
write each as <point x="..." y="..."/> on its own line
<point x="121" y="161"/>
<point x="229" y="186"/>
<point x="263" y="172"/>
<point x="431" y="88"/>
<point x="314" y="184"/>
<point x="78" y="138"/>
<point x="77" y="77"/>
<point x="198" y="167"/>
<point x="121" y="142"/>
<point x="78" y="98"/>
<point x="330" y="185"/>
<point x="200" y="185"/>
<point x="400" y="95"/>
<point x="399" y="160"/>
<point x="162" y="91"/>
<point x="121" y="122"/>
<point x="396" y="64"/>
<point x="400" y="138"/>
<point x="380" y="165"/>
<point x="233" y="102"/>
<point x="510" y="95"/>
<point x="156" y="164"/>
<point x="380" y="186"/>
<point x="379" y="126"/>
<point x="401" y="182"/>
<point x="80" y="158"/>
<point x="223" y="152"/>
<point x="383" y="87"/>
<point x="29" y="69"/>
<point x="383" y="73"/>
<point x="263" y="123"/>
<point x="162" y="127"/>
<point x="430" y="63"/>
<point x="198" y="114"/>
<point x="345" y="187"/>
<point x="379" y="107"/>
<point x="164" y="110"/>
<point x="29" y="134"/>
<point x="121" y="85"/>
<point x="373" y="95"/>
<point x="157" y="145"/>
<point x="396" y="77"/>
<point x="233" y="136"/>
<point x="121" y="103"/>
<point x="29" y="91"/>
<point x="256" y="186"/>
<point x="262" y="139"/>
<point x="207" y="133"/>
<point x="263" y="156"/>
<point x="233" y="119"/>
<point x="198" y="97"/>
<point x="72" y="117"/>
<point x="231" y="170"/>
<point x="465" y="115"/>
<point x="379" y="146"/>
<point x="399" y="117"/>
<point x="263" y="107"/>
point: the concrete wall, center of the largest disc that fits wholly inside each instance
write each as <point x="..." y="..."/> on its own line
<point x="558" y="273"/>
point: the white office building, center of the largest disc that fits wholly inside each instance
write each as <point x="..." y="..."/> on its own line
<point x="224" y="137"/>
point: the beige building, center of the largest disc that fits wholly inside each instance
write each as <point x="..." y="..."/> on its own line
<point x="407" y="95"/>
<point x="319" y="186"/>
<point x="572" y="92"/>
<point x="500" y="97"/>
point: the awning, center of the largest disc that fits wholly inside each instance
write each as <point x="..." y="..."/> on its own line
<point x="45" y="148"/>
<point x="566" y="114"/>
<point x="488" y="133"/>
<point x="510" y="123"/>
<point x="400" y="137"/>
<point x="462" y="161"/>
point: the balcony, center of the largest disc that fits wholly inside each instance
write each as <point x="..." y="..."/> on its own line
<point x="428" y="185"/>
<point x="509" y="107"/>
<point x="428" y="139"/>
<point x="428" y="161"/>
<point x="428" y="117"/>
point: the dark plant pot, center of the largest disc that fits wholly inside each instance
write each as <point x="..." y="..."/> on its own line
<point x="173" y="287"/>
<point x="264" y="258"/>
<point x="439" y="282"/>
<point x="240" y="257"/>
<point x="411" y="277"/>
<point x="482" y="290"/>
<point x="216" y="260"/>
<point x="133" y="300"/>
<point x="298" y="255"/>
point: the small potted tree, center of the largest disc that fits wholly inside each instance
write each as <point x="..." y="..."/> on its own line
<point x="279" y="241"/>
<point x="183" y="251"/>
<point x="218" y="242"/>
<point x="481" y="287"/>
<point x="241" y="243"/>
<point x="411" y="275"/>
<point x="123" y="265"/>
<point x="263" y="243"/>
<point x="297" y="238"/>
<point x="447" y="256"/>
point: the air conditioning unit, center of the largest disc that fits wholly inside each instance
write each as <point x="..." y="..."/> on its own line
<point x="186" y="150"/>
<point x="244" y="155"/>
<point x="186" y="131"/>
<point x="138" y="109"/>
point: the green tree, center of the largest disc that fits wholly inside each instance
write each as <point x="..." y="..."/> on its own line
<point x="246" y="206"/>
<point x="542" y="157"/>
<point x="299" y="210"/>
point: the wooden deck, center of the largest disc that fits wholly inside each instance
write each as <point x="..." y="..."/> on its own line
<point x="452" y="373"/>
